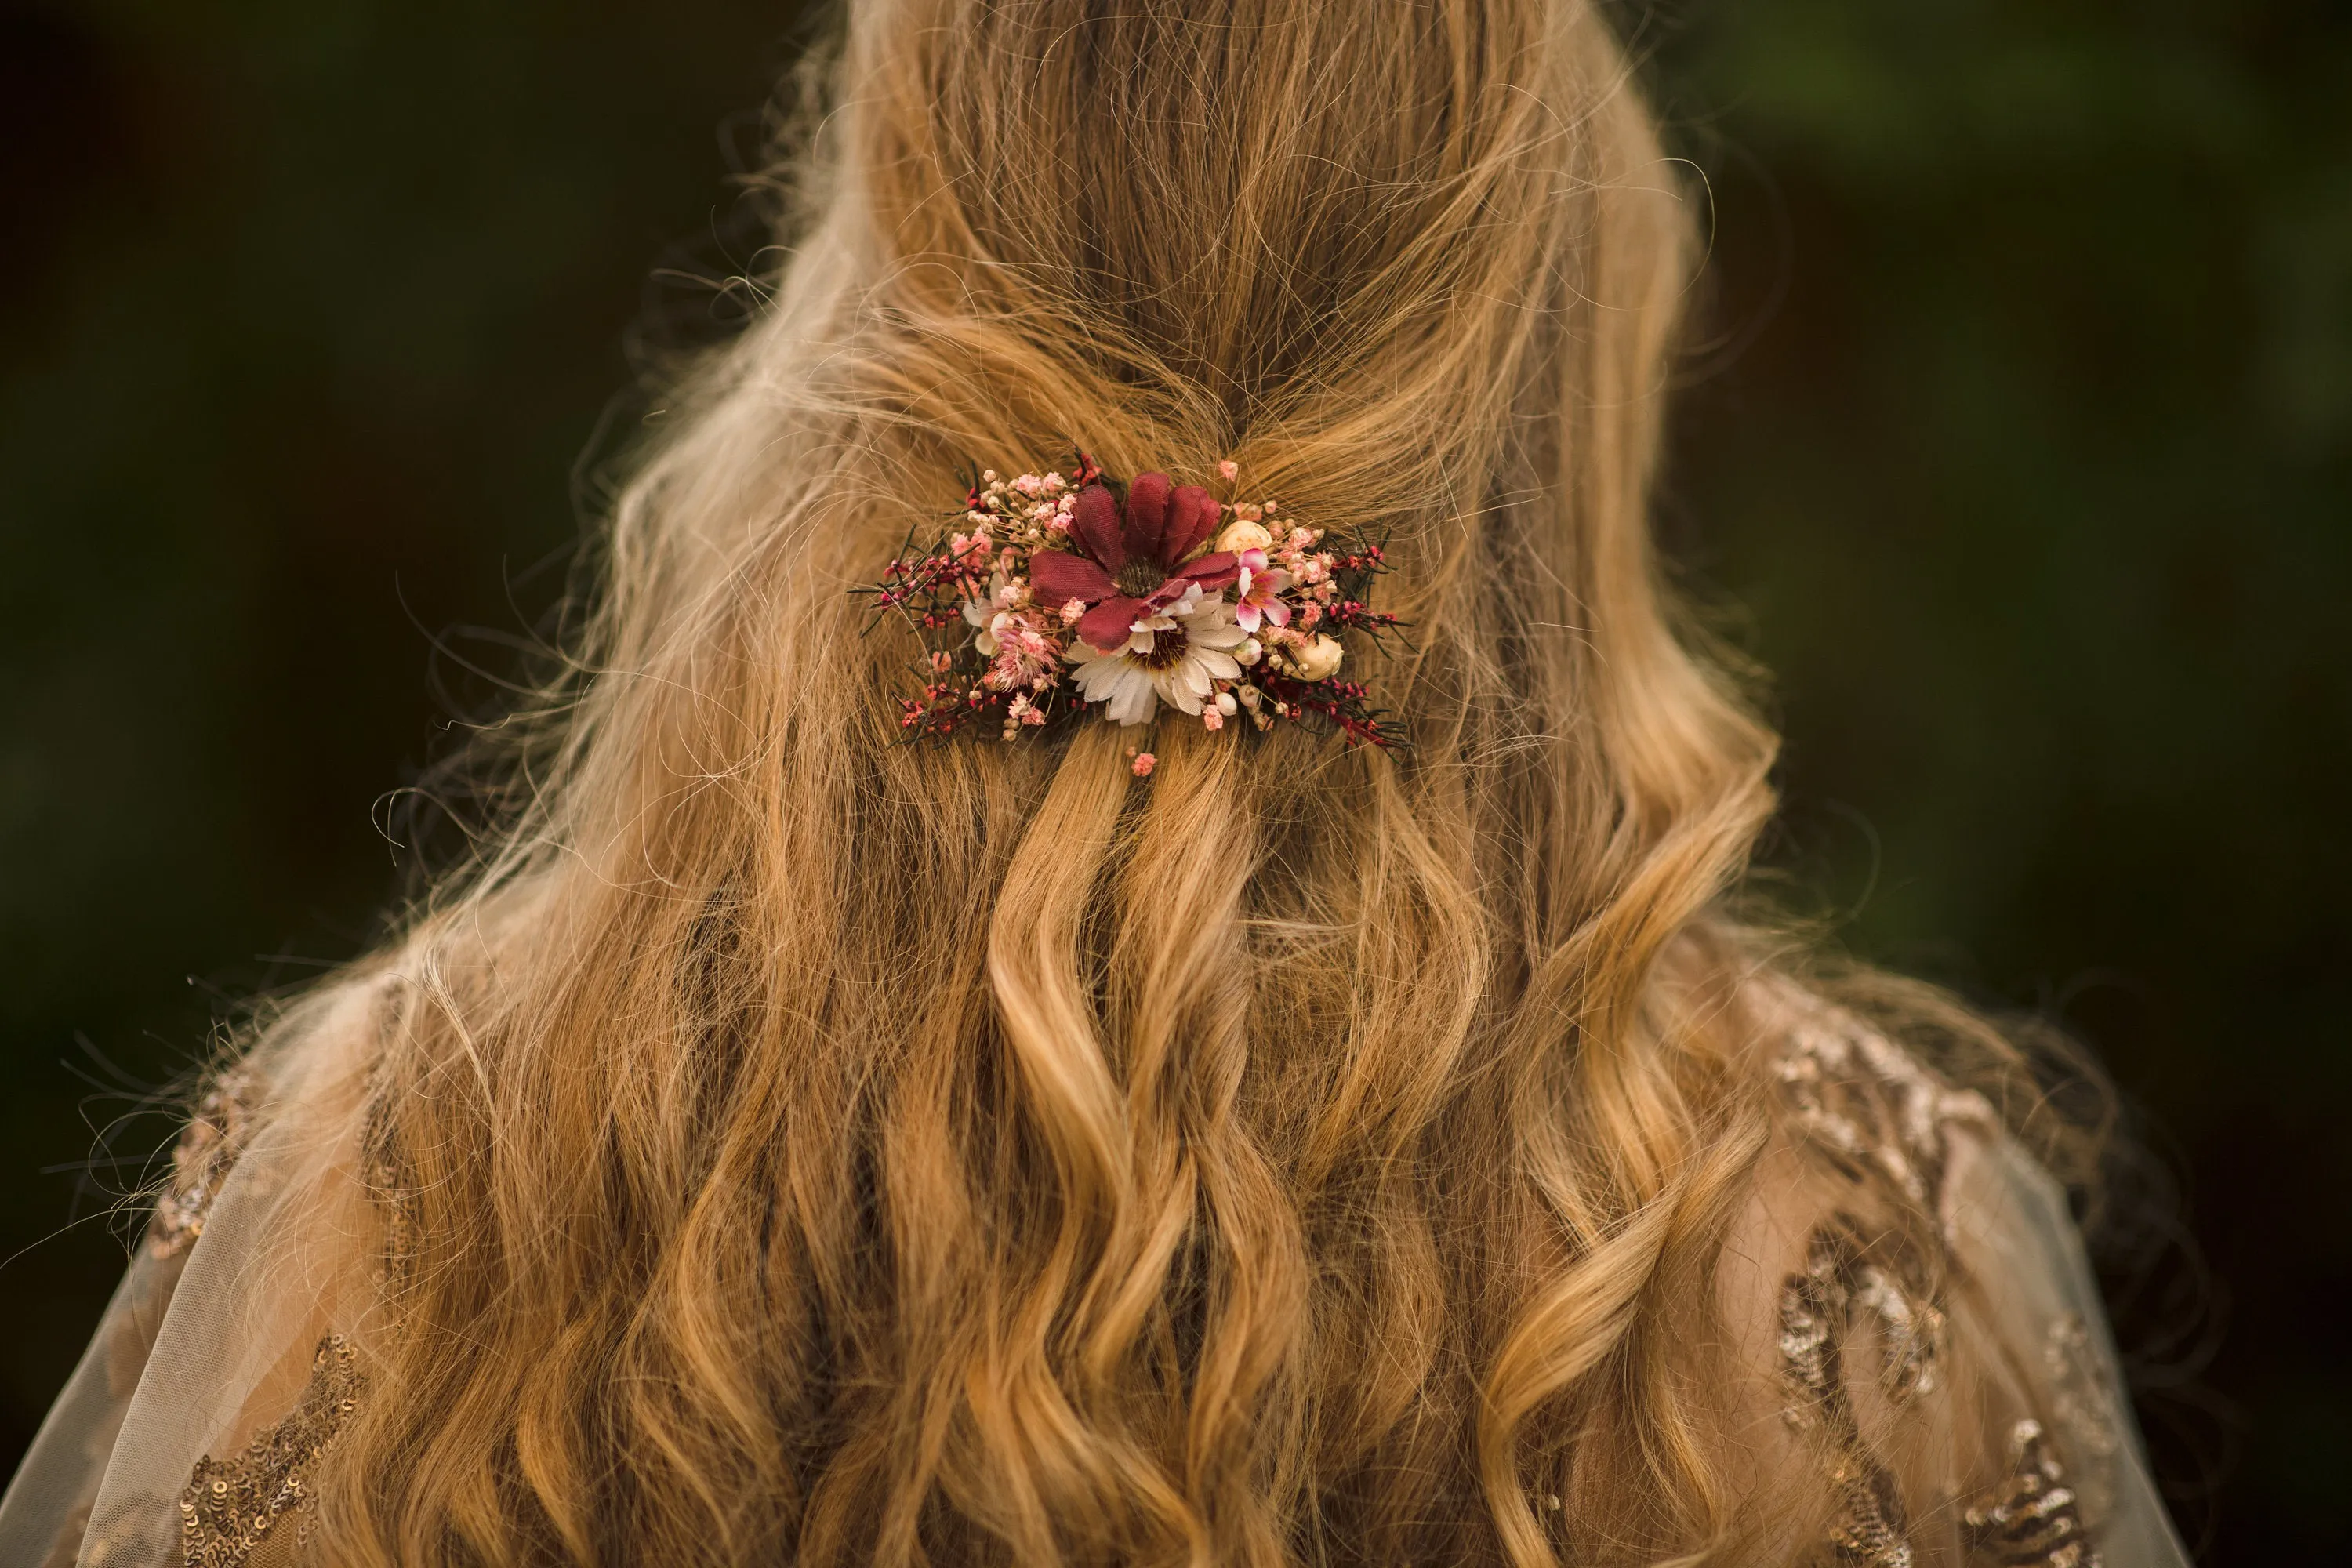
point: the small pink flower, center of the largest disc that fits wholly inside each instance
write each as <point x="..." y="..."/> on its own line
<point x="1212" y="720"/>
<point x="1020" y="711"/>
<point x="1259" y="590"/>
<point x="1144" y="763"/>
<point x="1022" y="652"/>
<point x="1229" y="470"/>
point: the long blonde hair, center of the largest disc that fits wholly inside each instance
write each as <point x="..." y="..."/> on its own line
<point x="798" y="1144"/>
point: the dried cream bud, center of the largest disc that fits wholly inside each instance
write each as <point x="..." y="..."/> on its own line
<point x="1319" y="659"/>
<point x="1244" y="536"/>
<point x="1249" y="653"/>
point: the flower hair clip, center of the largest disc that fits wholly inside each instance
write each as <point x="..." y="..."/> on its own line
<point x="1061" y="594"/>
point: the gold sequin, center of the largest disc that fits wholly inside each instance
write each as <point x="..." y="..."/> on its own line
<point x="1818" y="1310"/>
<point x="393" y="1196"/>
<point x="2036" y="1521"/>
<point x="201" y="1161"/>
<point x="1869" y="1529"/>
<point x="230" y="1507"/>
<point x="1868" y="1107"/>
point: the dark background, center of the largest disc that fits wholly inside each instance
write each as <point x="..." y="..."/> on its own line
<point x="2022" y="439"/>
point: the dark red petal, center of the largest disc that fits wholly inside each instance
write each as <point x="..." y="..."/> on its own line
<point x="1057" y="576"/>
<point x="1212" y="570"/>
<point x="1147" y="519"/>
<point x="1192" y="518"/>
<point x="1106" y="625"/>
<point x="1094" y="520"/>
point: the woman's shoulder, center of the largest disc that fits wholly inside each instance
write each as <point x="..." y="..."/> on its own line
<point x="1857" y="1104"/>
<point x="311" y="1063"/>
<point x="1907" y="1284"/>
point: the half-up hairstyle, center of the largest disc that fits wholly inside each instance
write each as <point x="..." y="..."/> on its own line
<point x="795" y="1144"/>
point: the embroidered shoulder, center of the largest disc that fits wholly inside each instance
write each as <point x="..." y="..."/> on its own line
<point x="207" y="1149"/>
<point x="1881" y="1120"/>
<point x="1864" y="1103"/>
<point x="231" y="1507"/>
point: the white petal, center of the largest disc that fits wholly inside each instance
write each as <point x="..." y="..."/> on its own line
<point x="1135" y="700"/>
<point x="1175" y="686"/>
<point x="1214" y="664"/>
<point x="1122" y="687"/>
<point x="1097" y="678"/>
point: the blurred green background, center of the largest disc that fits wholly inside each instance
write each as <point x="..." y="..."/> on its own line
<point x="2022" y="434"/>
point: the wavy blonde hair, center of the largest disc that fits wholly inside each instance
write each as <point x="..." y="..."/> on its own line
<point x="803" y="1145"/>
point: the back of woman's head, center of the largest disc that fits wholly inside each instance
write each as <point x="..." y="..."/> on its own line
<point x="799" y="1142"/>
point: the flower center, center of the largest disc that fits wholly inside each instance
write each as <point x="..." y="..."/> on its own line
<point x="1139" y="578"/>
<point x="1168" y="647"/>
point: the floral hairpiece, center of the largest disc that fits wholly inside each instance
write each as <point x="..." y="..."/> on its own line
<point x="1063" y="593"/>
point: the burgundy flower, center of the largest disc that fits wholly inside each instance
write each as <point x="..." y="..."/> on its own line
<point x="1136" y="558"/>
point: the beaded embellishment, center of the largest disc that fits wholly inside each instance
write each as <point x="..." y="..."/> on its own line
<point x="1867" y="1107"/>
<point x="230" y="1507"/>
<point x="201" y="1161"/>
<point x="1878" y="1117"/>
<point x="2037" y="1522"/>
<point x="1818" y="1308"/>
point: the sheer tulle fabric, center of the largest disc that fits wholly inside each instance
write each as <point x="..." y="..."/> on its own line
<point x="2019" y="1245"/>
<point x="201" y="1350"/>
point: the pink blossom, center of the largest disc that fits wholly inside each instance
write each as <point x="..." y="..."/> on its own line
<point x="1022" y="652"/>
<point x="1258" y="591"/>
<point x="1144" y="763"/>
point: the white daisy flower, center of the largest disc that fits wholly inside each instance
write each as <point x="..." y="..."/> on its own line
<point x="1174" y="654"/>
